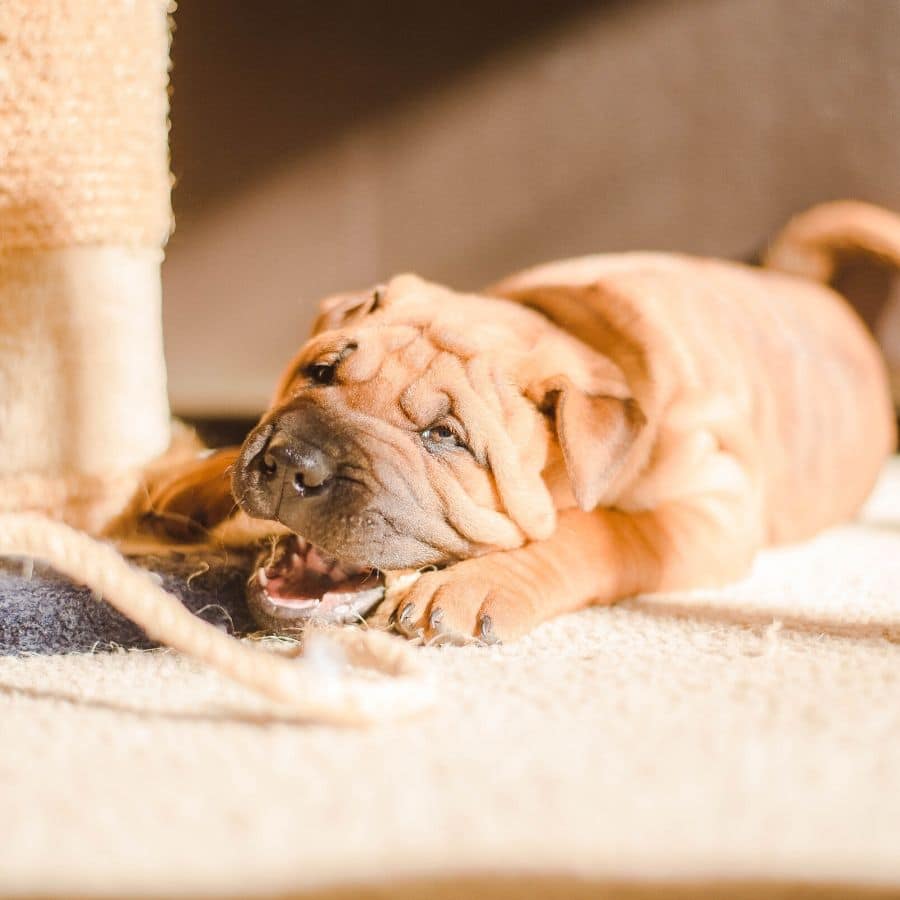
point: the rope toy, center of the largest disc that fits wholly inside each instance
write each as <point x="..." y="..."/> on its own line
<point x="385" y="680"/>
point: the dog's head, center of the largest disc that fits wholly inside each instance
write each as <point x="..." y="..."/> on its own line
<point x="421" y="426"/>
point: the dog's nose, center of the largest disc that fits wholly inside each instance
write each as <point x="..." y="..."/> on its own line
<point x="298" y="465"/>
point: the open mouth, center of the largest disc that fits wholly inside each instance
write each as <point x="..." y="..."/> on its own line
<point x="294" y="582"/>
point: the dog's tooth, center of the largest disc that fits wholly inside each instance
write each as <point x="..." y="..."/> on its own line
<point x="303" y="604"/>
<point x="262" y="578"/>
<point x="296" y="559"/>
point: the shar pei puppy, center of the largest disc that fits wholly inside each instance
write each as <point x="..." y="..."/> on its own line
<point x="583" y="431"/>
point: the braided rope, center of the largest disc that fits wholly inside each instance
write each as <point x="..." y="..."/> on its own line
<point x="352" y="698"/>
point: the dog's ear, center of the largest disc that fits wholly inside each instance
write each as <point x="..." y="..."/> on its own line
<point x="185" y="500"/>
<point x="595" y="429"/>
<point x="342" y="309"/>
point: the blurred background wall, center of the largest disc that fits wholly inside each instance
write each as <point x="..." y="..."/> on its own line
<point x="324" y="146"/>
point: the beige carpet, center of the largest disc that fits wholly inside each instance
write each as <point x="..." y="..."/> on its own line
<point x="749" y="736"/>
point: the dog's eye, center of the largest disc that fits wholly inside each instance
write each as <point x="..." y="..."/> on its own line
<point x="324" y="373"/>
<point x="321" y="373"/>
<point x="441" y="436"/>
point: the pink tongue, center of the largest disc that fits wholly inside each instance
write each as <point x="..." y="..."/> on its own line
<point x="317" y="563"/>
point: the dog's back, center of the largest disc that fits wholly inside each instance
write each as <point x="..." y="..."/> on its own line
<point x="777" y="367"/>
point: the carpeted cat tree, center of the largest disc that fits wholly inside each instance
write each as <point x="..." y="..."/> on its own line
<point x="84" y="214"/>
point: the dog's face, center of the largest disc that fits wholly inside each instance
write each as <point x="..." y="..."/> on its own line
<point x="418" y="426"/>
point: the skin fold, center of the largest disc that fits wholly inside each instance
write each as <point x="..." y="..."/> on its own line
<point x="580" y="432"/>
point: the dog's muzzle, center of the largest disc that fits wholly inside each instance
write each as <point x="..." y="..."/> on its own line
<point x="284" y="464"/>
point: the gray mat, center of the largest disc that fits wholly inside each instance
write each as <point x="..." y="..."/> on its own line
<point x="42" y="612"/>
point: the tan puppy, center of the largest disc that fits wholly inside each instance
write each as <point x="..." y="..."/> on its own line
<point x="582" y="432"/>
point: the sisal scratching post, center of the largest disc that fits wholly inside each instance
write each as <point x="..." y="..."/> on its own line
<point x="84" y="213"/>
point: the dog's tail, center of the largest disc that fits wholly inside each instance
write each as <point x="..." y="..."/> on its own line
<point x="815" y="242"/>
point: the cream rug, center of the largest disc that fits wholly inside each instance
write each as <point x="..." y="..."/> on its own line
<point x="744" y="740"/>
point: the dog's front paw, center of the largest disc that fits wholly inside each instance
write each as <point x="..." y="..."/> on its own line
<point x="475" y="600"/>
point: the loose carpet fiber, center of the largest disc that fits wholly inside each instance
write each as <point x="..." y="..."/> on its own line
<point x="748" y="735"/>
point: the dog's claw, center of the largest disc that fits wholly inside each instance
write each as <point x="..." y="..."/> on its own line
<point x="435" y="619"/>
<point x="486" y="630"/>
<point x="405" y="617"/>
